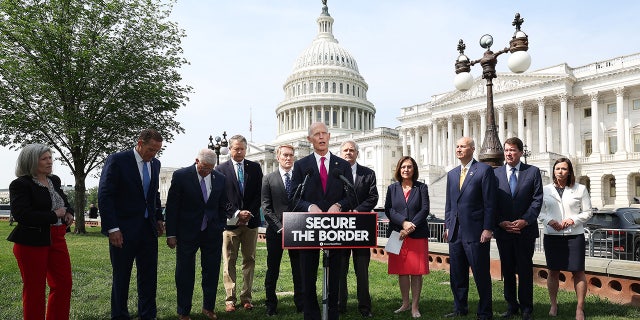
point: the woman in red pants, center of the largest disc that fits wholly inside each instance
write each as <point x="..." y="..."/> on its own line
<point x="43" y="214"/>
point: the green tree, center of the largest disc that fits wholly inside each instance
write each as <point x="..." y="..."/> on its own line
<point x="86" y="76"/>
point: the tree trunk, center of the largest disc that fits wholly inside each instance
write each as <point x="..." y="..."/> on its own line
<point x="81" y="202"/>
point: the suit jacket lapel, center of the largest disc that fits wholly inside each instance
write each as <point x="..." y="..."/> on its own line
<point x="232" y="172"/>
<point x="359" y="177"/>
<point x="468" y="177"/>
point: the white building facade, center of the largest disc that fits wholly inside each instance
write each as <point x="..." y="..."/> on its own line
<point x="589" y="114"/>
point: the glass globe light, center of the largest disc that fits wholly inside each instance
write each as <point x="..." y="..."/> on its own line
<point x="224" y="150"/>
<point x="519" y="61"/>
<point x="463" y="81"/>
<point x="486" y="41"/>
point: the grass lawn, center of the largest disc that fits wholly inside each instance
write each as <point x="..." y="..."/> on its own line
<point x="92" y="286"/>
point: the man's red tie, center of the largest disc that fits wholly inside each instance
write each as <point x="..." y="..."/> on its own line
<point x="323" y="174"/>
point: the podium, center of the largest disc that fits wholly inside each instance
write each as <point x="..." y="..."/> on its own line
<point x="326" y="230"/>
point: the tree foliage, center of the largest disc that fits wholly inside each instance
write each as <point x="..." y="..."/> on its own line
<point x="85" y="76"/>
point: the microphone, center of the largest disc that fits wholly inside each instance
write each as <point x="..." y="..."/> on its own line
<point x="300" y="189"/>
<point x="336" y="173"/>
<point x="307" y="173"/>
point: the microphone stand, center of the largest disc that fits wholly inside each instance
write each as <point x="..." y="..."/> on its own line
<point x="325" y="281"/>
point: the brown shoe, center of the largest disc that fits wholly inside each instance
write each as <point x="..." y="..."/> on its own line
<point x="229" y="307"/>
<point x="209" y="314"/>
<point x="248" y="306"/>
<point x="183" y="317"/>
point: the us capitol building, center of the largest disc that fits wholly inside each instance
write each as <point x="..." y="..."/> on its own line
<point x="590" y="114"/>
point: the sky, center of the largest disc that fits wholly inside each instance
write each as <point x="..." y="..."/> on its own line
<point x="242" y="51"/>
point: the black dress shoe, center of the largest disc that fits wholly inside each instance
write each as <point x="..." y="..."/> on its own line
<point x="366" y="314"/>
<point x="508" y="314"/>
<point x="271" y="312"/>
<point x="527" y="316"/>
<point x="455" y="314"/>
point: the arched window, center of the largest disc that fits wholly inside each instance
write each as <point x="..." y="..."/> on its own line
<point x="347" y="88"/>
<point x="341" y="88"/>
<point x="333" y="89"/>
<point x="326" y="87"/>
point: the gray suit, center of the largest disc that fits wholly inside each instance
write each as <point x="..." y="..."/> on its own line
<point x="275" y="201"/>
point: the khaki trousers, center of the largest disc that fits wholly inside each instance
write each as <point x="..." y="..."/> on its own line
<point x="244" y="239"/>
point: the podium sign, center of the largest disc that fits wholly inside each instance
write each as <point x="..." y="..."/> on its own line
<point x="345" y="230"/>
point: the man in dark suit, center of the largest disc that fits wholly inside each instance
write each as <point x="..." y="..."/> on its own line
<point x="519" y="199"/>
<point x="367" y="196"/>
<point x="196" y="214"/>
<point x="323" y="192"/>
<point x="469" y="223"/>
<point x="276" y="188"/>
<point x="132" y="218"/>
<point x="243" y="186"/>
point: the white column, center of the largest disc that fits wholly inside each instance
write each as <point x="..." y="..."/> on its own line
<point x="445" y="148"/>
<point x="476" y="131"/>
<point x="528" y="132"/>
<point x="435" y="145"/>
<point x="542" y="137"/>
<point x="571" y="131"/>
<point x="509" y="132"/>
<point x="595" y="125"/>
<point x="620" y="120"/>
<point x="564" y="137"/>
<point x="520" y="107"/>
<point x="416" y="140"/>
<point x="403" y="132"/>
<point x="429" y="158"/>
<point x="465" y="125"/>
<point x="483" y="127"/>
<point x="549" y="116"/>
<point x="349" y="118"/>
<point x="451" y="140"/>
<point x="500" y="123"/>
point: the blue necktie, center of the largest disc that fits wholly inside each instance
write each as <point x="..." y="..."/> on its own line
<point x="146" y="181"/>
<point x="287" y="183"/>
<point x="513" y="181"/>
<point x="240" y="178"/>
<point x="203" y="188"/>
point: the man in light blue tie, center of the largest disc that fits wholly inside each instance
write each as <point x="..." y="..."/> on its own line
<point x="196" y="214"/>
<point x="243" y="185"/>
<point x="131" y="216"/>
<point x="519" y="201"/>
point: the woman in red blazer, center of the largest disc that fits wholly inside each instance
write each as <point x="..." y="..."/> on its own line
<point x="43" y="214"/>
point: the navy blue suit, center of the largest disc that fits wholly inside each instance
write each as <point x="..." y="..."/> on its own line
<point x="123" y="205"/>
<point x="516" y="250"/>
<point x="415" y="209"/>
<point x="468" y="211"/>
<point x="309" y="258"/>
<point x="185" y="211"/>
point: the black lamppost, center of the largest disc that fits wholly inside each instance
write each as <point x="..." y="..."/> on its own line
<point x="526" y="153"/>
<point x="519" y="61"/>
<point x="220" y="147"/>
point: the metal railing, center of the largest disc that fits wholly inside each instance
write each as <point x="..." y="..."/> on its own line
<point x="616" y="244"/>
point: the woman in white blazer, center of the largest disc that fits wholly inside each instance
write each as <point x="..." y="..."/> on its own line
<point x="565" y="209"/>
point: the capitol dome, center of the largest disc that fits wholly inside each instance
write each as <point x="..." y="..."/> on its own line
<point x="324" y="86"/>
